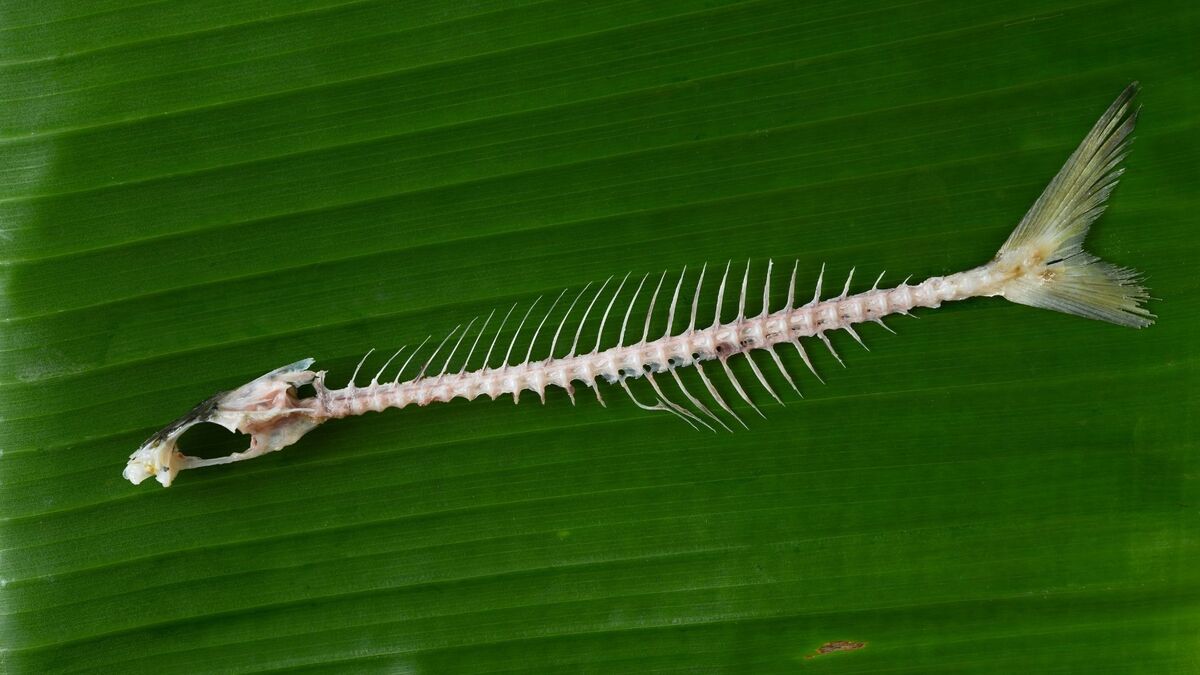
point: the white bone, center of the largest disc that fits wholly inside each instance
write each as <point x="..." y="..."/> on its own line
<point x="658" y="406"/>
<point x="583" y="320"/>
<point x="696" y="299"/>
<point x="375" y="380"/>
<point x="696" y="402"/>
<point x="791" y="299"/>
<point x="737" y="386"/>
<point x="846" y="288"/>
<point x="742" y="296"/>
<point x="674" y="301"/>
<point x="629" y="310"/>
<point x="779" y="364"/>
<point x="712" y="391"/>
<point x="410" y="358"/>
<point x="457" y="344"/>
<point x="650" y="311"/>
<point x="767" y="291"/>
<point x="432" y="356"/>
<point x="533" y="340"/>
<point x="807" y="361"/>
<point x="360" y="365"/>
<point x="508" y="353"/>
<point x="817" y="293"/>
<point x="554" y="342"/>
<point x="833" y="351"/>
<point x="475" y="343"/>
<point x="758" y="373"/>
<point x="487" y="359"/>
<point x="604" y="319"/>
<point x="721" y="295"/>
<point x="687" y="414"/>
<point x="854" y="334"/>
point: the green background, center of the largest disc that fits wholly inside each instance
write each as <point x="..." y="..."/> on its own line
<point x="194" y="193"/>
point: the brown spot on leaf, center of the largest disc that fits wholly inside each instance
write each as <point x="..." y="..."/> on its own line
<point x="837" y="646"/>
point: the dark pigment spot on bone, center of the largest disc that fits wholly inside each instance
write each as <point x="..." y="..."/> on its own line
<point x="201" y="413"/>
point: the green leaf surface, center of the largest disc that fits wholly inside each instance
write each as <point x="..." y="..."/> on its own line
<point x="192" y="194"/>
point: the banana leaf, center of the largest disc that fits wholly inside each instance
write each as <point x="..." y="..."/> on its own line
<point x="192" y="194"/>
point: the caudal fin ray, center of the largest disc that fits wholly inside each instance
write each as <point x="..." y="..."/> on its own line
<point x="1044" y="255"/>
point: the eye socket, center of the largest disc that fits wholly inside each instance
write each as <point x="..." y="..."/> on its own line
<point x="209" y="441"/>
<point x="305" y="390"/>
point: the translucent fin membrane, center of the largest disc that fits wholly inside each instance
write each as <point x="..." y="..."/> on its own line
<point x="1044" y="255"/>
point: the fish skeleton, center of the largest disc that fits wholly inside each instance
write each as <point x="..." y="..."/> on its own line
<point x="1042" y="264"/>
